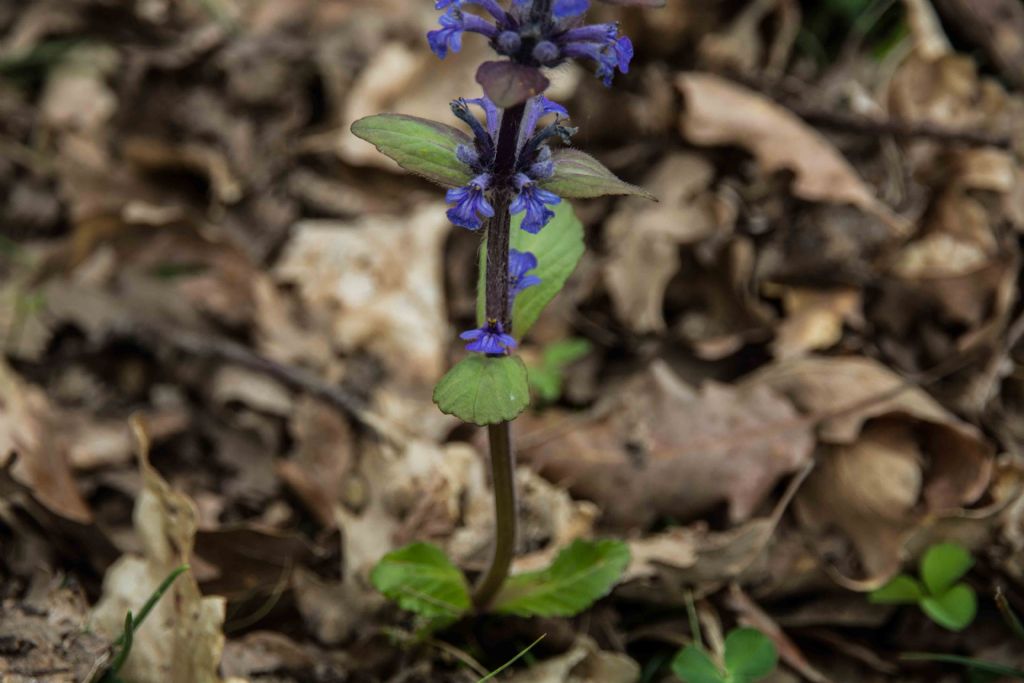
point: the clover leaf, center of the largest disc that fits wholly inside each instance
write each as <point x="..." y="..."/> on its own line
<point x="948" y="603"/>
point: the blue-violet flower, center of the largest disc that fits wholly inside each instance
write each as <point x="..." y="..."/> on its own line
<point x="532" y="40"/>
<point x="489" y="339"/>
<point x="534" y="163"/>
<point x="470" y="203"/>
<point x="519" y="264"/>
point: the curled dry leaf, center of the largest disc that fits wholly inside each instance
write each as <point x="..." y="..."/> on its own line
<point x="31" y="428"/>
<point x="376" y="284"/>
<point x="643" y="238"/>
<point x="889" y="455"/>
<point x="815" y="319"/>
<point x="720" y="112"/>
<point x="182" y="638"/>
<point x="662" y="448"/>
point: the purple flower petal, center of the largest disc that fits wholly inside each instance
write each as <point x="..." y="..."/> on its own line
<point x="490" y="339"/>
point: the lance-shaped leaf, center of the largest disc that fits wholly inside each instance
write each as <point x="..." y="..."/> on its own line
<point x="579" y="175"/>
<point x="482" y="390"/>
<point x="583" y="573"/>
<point x="421" y="579"/>
<point x="424" y="147"/>
<point x="558" y="248"/>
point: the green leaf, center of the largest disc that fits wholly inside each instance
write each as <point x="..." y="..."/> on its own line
<point x="421" y="579"/>
<point x="954" y="609"/>
<point x="546" y="378"/>
<point x="558" y="248"/>
<point x="424" y="147"/>
<point x="565" y="352"/>
<point x="579" y="175"/>
<point x="902" y="590"/>
<point x="483" y="390"/>
<point x="694" y="665"/>
<point x="749" y="655"/>
<point x="943" y="565"/>
<point x="581" y="574"/>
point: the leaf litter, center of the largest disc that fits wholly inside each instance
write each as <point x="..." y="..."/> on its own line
<point x="804" y="364"/>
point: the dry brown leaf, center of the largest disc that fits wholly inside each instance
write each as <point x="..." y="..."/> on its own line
<point x="815" y="318"/>
<point x="697" y="556"/>
<point x="740" y="47"/>
<point x="376" y="284"/>
<point x="664" y="449"/>
<point x="322" y="459"/>
<point x="720" y="112"/>
<point x="891" y="454"/>
<point x="869" y="490"/>
<point x="183" y="637"/>
<point x="31" y="428"/>
<point x="642" y="238"/>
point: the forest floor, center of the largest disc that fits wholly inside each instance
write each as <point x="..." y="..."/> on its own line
<point x="222" y="315"/>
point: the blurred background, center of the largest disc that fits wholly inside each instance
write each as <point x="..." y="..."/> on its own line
<point x="222" y="315"/>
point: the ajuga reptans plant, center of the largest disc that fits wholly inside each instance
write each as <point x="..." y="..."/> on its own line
<point x="508" y="178"/>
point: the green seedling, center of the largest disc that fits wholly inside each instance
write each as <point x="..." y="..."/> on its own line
<point x="749" y="656"/>
<point x="124" y="642"/>
<point x="547" y="376"/>
<point x="940" y="594"/>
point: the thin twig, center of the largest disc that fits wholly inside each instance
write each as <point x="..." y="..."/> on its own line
<point x="292" y="377"/>
<point x="902" y="129"/>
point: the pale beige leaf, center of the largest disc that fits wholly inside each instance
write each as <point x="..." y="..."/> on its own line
<point x="721" y="112"/>
<point x="182" y="638"/>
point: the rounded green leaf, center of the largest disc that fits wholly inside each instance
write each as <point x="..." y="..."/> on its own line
<point x="693" y="665"/>
<point x="558" y="248"/>
<point x="483" y="390"/>
<point x="955" y="609"/>
<point x="943" y="565"/>
<point x="579" y="176"/>
<point x="421" y="579"/>
<point x="902" y="590"/>
<point x="581" y="574"/>
<point x="424" y="147"/>
<point x="749" y="655"/>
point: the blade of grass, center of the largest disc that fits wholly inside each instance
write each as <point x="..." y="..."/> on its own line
<point x="511" y="661"/>
<point x="151" y="603"/>
<point x="977" y="665"/>
<point x="1009" y="616"/>
<point x="691" y="614"/>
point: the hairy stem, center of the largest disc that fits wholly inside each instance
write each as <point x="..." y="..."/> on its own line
<point x="497" y="308"/>
<point x="498" y="227"/>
